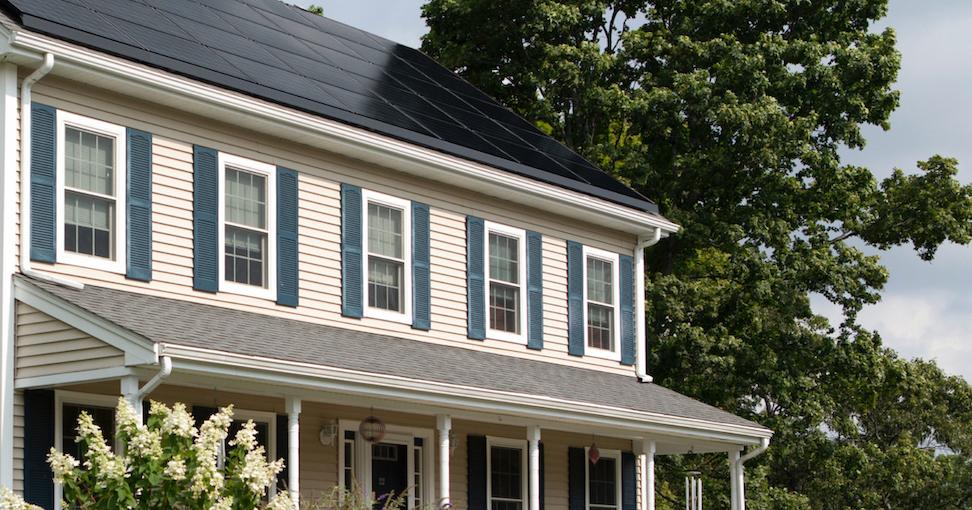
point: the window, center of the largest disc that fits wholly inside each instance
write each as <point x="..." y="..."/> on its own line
<point x="417" y="453"/>
<point x="387" y="248"/>
<point x="265" y="425"/>
<point x="348" y="461"/>
<point x="601" y="298"/>
<point x="91" y="192"/>
<point x="247" y="226"/>
<point x="68" y="406"/>
<point x="505" y="276"/>
<point x="507" y="484"/>
<point x="603" y="487"/>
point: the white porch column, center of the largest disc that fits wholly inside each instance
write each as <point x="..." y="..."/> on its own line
<point x="8" y="254"/>
<point x="293" y="449"/>
<point x="733" y="480"/>
<point x="533" y="443"/>
<point x="646" y="463"/>
<point x="129" y="390"/>
<point x="443" y="423"/>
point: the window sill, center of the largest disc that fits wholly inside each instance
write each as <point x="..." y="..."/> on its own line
<point x="248" y="290"/>
<point x="91" y="262"/>
<point x="603" y="354"/>
<point x="386" y="315"/>
<point x="503" y="336"/>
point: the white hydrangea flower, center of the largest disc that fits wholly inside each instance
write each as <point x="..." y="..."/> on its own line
<point x="62" y="464"/>
<point x="11" y="501"/>
<point x="223" y="503"/>
<point x="281" y="502"/>
<point x="178" y="422"/>
<point x="175" y="469"/>
<point x="145" y="443"/>
<point x="125" y="417"/>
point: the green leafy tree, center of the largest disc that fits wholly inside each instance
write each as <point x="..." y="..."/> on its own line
<point x="731" y="115"/>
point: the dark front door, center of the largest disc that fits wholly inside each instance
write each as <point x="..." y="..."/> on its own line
<point x="389" y="473"/>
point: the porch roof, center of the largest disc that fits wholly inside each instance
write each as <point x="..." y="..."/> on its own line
<point x="185" y="323"/>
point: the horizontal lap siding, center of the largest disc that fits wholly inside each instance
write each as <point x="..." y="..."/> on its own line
<point x="18" y="440"/>
<point x="320" y="229"/>
<point x="46" y="346"/>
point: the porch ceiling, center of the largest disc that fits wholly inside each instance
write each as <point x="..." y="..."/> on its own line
<point x="179" y="323"/>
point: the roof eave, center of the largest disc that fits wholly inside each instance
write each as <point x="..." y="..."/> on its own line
<point x="25" y="47"/>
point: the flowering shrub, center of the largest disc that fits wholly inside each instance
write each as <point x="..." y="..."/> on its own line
<point x="167" y="463"/>
<point x="11" y="501"/>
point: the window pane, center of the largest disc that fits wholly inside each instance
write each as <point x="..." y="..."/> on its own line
<point x="506" y="478"/>
<point x="103" y="417"/>
<point x="245" y="256"/>
<point x="602" y="482"/>
<point x="246" y="198"/>
<point x="600" y="327"/>
<point x="385" y="231"/>
<point x="504" y="302"/>
<point x="504" y="253"/>
<point x="385" y="289"/>
<point x="89" y="161"/>
<point x="599" y="281"/>
<point x="88" y="224"/>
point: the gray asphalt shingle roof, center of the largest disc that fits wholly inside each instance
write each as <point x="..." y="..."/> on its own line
<point x="180" y="322"/>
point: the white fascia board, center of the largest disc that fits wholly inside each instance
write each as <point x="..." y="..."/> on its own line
<point x="69" y="378"/>
<point x="164" y="88"/>
<point x="375" y="385"/>
<point x="138" y="349"/>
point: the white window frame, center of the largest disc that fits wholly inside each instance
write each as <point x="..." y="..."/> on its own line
<point x="605" y="454"/>
<point x="270" y="171"/>
<point x="116" y="264"/>
<point x="367" y="197"/>
<point x="361" y="463"/>
<point x="614" y="259"/>
<point x="520" y="234"/>
<point x="62" y="397"/>
<point x="503" y="442"/>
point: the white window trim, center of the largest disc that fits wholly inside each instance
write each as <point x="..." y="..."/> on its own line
<point x="62" y="397"/>
<point x="120" y="241"/>
<point x="520" y="234"/>
<point x="605" y="454"/>
<point x="242" y="415"/>
<point x="361" y="463"/>
<point x="614" y="259"/>
<point x="270" y="171"/>
<point x="368" y="196"/>
<point x="520" y="444"/>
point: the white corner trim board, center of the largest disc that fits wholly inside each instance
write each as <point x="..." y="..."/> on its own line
<point x="168" y="89"/>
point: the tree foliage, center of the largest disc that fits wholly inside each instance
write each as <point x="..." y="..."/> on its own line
<point x="731" y="115"/>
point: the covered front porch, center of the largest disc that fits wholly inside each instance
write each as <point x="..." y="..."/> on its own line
<point x="462" y="429"/>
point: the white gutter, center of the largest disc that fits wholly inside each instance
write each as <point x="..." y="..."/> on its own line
<point x="25" y="89"/>
<point x="763" y="445"/>
<point x="641" y="363"/>
<point x="155" y="381"/>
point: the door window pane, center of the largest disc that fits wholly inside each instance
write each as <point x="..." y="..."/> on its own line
<point x="602" y="479"/>
<point x="506" y="478"/>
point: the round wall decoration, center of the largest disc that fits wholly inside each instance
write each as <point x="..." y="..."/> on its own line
<point x="372" y="429"/>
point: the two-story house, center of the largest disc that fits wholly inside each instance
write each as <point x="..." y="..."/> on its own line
<point x="406" y="286"/>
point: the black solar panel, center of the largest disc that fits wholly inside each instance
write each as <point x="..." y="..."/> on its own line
<point x="287" y="55"/>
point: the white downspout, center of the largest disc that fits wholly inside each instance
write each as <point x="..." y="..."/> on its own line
<point x="135" y="395"/>
<point x="641" y="363"/>
<point x="25" y="89"/>
<point x="740" y="473"/>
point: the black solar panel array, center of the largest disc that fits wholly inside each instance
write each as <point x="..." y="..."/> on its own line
<point x="287" y="55"/>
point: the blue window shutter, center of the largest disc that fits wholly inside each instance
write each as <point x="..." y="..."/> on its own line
<point x="629" y="482"/>
<point x="626" y="271"/>
<point x="288" y="275"/>
<point x="351" y="259"/>
<point x="38" y="441"/>
<point x="534" y="251"/>
<point x="283" y="450"/>
<point x="476" y="458"/>
<point x="575" y="298"/>
<point x="139" y="203"/>
<point x="205" y="219"/>
<point x="576" y="479"/>
<point x="421" y="278"/>
<point x="43" y="151"/>
<point x="475" y="278"/>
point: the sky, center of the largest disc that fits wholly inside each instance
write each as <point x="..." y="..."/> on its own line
<point x="926" y="310"/>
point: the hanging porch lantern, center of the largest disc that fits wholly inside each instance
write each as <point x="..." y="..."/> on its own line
<point x="593" y="454"/>
<point x="372" y="429"/>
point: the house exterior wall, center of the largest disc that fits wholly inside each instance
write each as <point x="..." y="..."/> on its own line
<point x="18" y="456"/>
<point x="320" y="176"/>
<point x="319" y="463"/>
<point x="47" y="346"/>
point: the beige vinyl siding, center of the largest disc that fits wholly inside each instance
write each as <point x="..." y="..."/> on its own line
<point x="47" y="346"/>
<point x="319" y="463"/>
<point x="18" y="440"/>
<point x="321" y="175"/>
